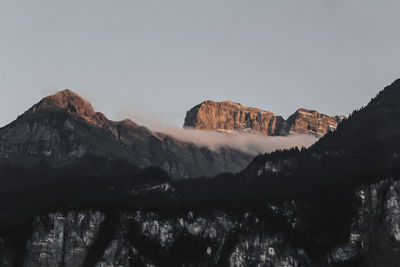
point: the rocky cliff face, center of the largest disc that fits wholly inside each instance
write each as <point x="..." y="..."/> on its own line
<point x="305" y="121"/>
<point x="64" y="127"/>
<point x="228" y="115"/>
<point x="213" y="238"/>
<point x="225" y="116"/>
<point x="375" y="228"/>
<point x="62" y="239"/>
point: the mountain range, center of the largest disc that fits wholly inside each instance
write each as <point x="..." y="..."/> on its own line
<point x="75" y="190"/>
<point x="64" y="127"/>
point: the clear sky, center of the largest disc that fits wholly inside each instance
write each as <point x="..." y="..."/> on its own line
<point x="163" y="57"/>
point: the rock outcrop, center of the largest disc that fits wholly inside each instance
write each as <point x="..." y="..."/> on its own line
<point x="375" y="229"/>
<point x="227" y="115"/>
<point x="305" y="121"/>
<point x="62" y="239"/>
<point x="213" y="238"/>
<point x="70" y="102"/>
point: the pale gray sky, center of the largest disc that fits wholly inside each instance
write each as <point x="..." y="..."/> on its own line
<point x="163" y="57"/>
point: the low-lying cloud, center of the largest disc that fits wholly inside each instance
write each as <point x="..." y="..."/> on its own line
<point x="248" y="142"/>
<point x="251" y="143"/>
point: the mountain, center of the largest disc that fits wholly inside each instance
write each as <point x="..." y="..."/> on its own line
<point x="305" y="121"/>
<point x="370" y="136"/>
<point x="64" y="127"/>
<point x="336" y="203"/>
<point x="227" y="115"/>
<point x="375" y="126"/>
<point x="340" y="197"/>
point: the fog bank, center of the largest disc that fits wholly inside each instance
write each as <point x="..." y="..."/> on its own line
<point x="252" y="143"/>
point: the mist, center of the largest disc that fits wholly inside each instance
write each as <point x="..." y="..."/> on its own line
<point x="248" y="142"/>
<point x="251" y="143"/>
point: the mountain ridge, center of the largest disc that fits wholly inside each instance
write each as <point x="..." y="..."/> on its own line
<point x="229" y="115"/>
<point x="63" y="127"/>
<point x="334" y="204"/>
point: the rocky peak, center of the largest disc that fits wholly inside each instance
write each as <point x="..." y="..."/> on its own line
<point x="305" y="121"/>
<point x="228" y="115"/>
<point x="307" y="112"/>
<point x="67" y="100"/>
<point x="70" y="102"/>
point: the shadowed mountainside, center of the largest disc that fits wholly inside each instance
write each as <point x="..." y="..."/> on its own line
<point x="64" y="127"/>
<point x="334" y="204"/>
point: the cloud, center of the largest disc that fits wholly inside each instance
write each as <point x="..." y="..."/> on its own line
<point x="251" y="143"/>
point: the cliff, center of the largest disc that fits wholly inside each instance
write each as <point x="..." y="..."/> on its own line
<point x="215" y="238"/>
<point x="227" y="115"/>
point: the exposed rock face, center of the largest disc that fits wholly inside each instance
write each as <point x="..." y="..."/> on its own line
<point x="227" y="115"/>
<point x="167" y="230"/>
<point x="64" y="127"/>
<point x="266" y="250"/>
<point x="62" y="239"/>
<point x="305" y="121"/>
<point x="118" y="253"/>
<point x="49" y="246"/>
<point x="376" y="227"/>
<point x="217" y="238"/>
